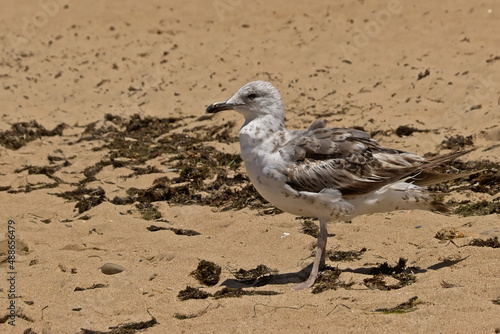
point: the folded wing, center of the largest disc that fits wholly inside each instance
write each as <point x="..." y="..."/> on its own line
<point x="348" y="160"/>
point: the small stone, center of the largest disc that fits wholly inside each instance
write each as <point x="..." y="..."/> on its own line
<point x="111" y="269"/>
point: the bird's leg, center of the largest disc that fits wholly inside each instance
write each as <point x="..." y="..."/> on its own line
<point x="319" y="260"/>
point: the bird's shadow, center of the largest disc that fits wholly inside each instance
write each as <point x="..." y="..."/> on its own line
<point x="300" y="276"/>
<point x="446" y="263"/>
<point x="373" y="270"/>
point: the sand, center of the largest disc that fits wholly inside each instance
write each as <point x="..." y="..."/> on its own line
<point x="430" y="65"/>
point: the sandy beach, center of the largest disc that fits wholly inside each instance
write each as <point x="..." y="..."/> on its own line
<point x="115" y="185"/>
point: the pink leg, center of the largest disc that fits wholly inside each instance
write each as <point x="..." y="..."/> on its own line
<point x="319" y="261"/>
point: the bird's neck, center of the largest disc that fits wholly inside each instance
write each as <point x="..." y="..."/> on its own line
<point x="262" y="127"/>
<point x="258" y="132"/>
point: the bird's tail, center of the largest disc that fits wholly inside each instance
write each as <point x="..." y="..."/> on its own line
<point x="425" y="177"/>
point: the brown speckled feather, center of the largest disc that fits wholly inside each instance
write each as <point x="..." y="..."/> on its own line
<point x="348" y="160"/>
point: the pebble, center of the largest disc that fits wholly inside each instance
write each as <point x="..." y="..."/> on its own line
<point x="111" y="269"/>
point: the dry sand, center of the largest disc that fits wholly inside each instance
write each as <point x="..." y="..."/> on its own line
<point x="430" y="65"/>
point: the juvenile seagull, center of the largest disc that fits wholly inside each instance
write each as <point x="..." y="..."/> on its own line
<point x="328" y="173"/>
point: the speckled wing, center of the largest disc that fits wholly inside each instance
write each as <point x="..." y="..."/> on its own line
<point x="344" y="159"/>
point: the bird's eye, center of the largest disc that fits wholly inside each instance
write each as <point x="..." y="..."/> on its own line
<point x="251" y="96"/>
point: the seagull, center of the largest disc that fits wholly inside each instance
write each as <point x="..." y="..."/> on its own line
<point x="329" y="173"/>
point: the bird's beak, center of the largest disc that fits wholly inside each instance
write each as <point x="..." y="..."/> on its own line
<point x="219" y="106"/>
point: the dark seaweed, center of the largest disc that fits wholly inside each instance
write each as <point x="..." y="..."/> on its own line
<point x="128" y="328"/>
<point x="238" y="292"/>
<point x="86" y="197"/>
<point x="257" y="276"/>
<point x="478" y="209"/>
<point x="345" y="256"/>
<point x="328" y="279"/>
<point x="178" y="231"/>
<point x="193" y="293"/>
<point x="22" y="133"/>
<point x="405" y="307"/>
<point x="207" y="273"/>
<point x="400" y="272"/>
<point x="93" y="286"/>
<point x="491" y="242"/>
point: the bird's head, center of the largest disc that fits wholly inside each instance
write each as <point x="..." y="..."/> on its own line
<point x="254" y="100"/>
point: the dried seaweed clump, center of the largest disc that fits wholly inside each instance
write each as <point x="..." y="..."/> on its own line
<point x="491" y="242"/>
<point x="405" y="130"/>
<point x="258" y="275"/>
<point x="22" y="133"/>
<point x="456" y="142"/>
<point x="178" y="231"/>
<point x="128" y="328"/>
<point x="148" y="211"/>
<point x="403" y="274"/>
<point x="86" y="197"/>
<point x="448" y="234"/>
<point x="478" y="209"/>
<point x="329" y="280"/>
<point x="408" y="306"/>
<point x="310" y="228"/>
<point x="207" y="273"/>
<point x="345" y="256"/>
<point x="193" y="293"/>
<point x="238" y="292"/>
<point x="487" y="181"/>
